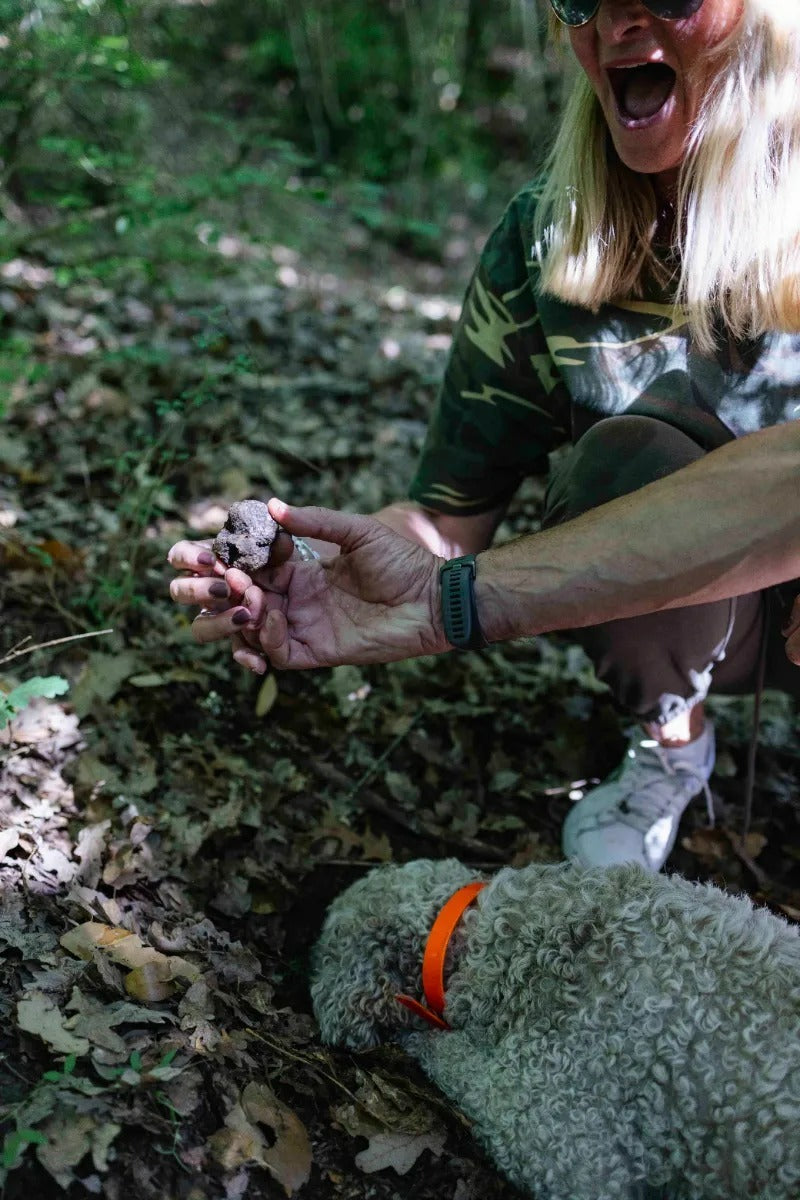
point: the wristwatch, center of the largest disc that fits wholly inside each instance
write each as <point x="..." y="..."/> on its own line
<point x="459" y="611"/>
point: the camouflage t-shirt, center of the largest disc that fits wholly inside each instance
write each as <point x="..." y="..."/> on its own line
<point x="527" y="373"/>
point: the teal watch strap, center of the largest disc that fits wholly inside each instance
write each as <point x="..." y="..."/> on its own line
<point x="459" y="611"/>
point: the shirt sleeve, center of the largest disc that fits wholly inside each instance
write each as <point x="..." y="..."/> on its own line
<point x="502" y="406"/>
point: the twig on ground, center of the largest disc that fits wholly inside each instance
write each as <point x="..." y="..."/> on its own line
<point x="761" y="877"/>
<point x="368" y="774"/>
<point x="283" y="1050"/>
<point x="17" y="652"/>
<point x="375" y="803"/>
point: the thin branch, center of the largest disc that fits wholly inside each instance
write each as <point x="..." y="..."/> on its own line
<point x="55" y="642"/>
<point x="22" y="642"/>
<point x="378" y="763"/>
<point x="372" y="802"/>
<point x="761" y="877"/>
<point x="282" y="1049"/>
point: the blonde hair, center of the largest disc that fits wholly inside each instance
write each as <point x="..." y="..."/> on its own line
<point x="737" y="237"/>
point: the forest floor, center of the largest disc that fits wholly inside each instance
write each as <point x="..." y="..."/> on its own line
<point x="173" y="828"/>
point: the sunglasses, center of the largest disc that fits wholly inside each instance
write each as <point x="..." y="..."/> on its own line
<point x="579" y="12"/>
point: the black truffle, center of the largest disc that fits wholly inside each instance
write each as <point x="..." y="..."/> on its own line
<point x="245" y="540"/>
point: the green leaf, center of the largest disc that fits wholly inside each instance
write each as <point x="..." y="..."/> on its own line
<point x="40" y="685"/>
<point x="47" y="686"/>
<point x="114" y="43"/>
<point x="15" y="1142"/>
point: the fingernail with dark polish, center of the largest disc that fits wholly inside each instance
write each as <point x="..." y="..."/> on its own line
<point x="206" y="558"/>
<point x="241" y="617"/>
<point x="218" y="588"/>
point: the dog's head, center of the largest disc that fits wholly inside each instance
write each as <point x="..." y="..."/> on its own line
<point x="371" y="948"/>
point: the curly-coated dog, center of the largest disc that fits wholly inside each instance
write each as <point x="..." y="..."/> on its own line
<point x="610" y="1034"/>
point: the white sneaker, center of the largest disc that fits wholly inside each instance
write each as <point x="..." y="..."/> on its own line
<point x="633" y="816"/>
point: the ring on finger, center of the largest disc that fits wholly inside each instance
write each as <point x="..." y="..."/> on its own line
<point x="304" y="552"/>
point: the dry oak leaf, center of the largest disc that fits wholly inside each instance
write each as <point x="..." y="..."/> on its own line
<point x="95" y="1020"/>
<point x="150" y="973"/>
<point x="9" y="840"/>
<point x="70" y="1136"/>
<point x="713" y="845"/>
<point x="398" y="1124"/>
<point x="398" y="1150"/>
<point x="288" y="1160"/>
<point x="151" y="983"/>
<point x="37" y="1013"/>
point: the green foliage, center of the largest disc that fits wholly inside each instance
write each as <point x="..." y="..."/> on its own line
<point x="66" y="1070"/>
<point x="14" y="1145"/>
<point x="140" y="481"/>
<point x="100" y="98"/>
<point x="14" y="701"/>
<point x="55" y="1084"/>
<point x="385" y="90"/>
<point x="15" y="365"/>
<point x="71" y="107"/>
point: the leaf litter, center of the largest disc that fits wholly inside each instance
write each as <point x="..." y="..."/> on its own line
<point x="172" y="830"/>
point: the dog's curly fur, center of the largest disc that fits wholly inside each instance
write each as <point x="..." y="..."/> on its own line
<point x="614" y="1033"/>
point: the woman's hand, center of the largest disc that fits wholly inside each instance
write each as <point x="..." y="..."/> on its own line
<point x="791" y="631"/>
<point x="232" y="604"/>
<point x="222" y="594"/>
<point x="376" y="601"/>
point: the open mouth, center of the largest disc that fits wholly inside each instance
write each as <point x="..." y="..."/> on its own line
<point x="641" y="92"/>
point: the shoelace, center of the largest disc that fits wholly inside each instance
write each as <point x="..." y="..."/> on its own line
<point x="649" y="806"/>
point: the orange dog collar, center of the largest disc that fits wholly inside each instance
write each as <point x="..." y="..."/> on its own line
<point x="435" y="953"/>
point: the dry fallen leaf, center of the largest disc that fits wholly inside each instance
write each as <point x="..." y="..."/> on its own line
<point x="23" y="931"/>
<point x="43" y="721"/>
<point x="267" y="695"/>
<point x="38" y="1014"/>
<point x="9" y="839"/>
<point x="288" y="1159"/>
<point x="398" y="1124"/>
<point x="101" y="678"/>
<point x="82" y="940"/>
<point x="709" y="845"/>
<point x="398" y="1150"/>
<point x="754" y="843"/>
<point x="128" y="950"/>
<point x="90" y="851"/>
<point x="70" y="1136"/>
<point x="68" y="1139"/>
<point x="151" y="983"/>
<point x="386" y="1105"/>
<point x="96" y="1021"/>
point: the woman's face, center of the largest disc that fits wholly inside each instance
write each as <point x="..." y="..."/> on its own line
<point x="650" y="111"/>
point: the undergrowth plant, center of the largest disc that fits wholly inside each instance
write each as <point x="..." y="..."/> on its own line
<point x="19" y="697"/>
<point x="141" y="481"/>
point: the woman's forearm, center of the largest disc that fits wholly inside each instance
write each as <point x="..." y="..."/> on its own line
<point x="724" y="526"/>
